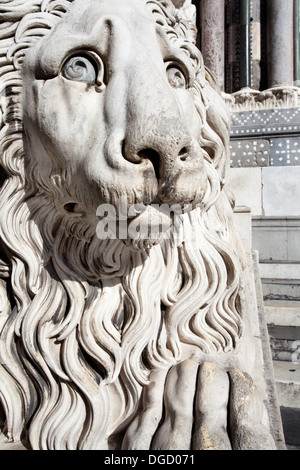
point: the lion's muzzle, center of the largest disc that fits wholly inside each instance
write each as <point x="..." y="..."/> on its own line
<point x="156" y="136"/>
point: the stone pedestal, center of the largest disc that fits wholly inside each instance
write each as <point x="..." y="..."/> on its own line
<point x="280" y="42"/>
<point x="213" y="37"/>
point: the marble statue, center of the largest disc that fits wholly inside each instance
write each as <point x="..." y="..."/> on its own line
<point x="125" y="312"/>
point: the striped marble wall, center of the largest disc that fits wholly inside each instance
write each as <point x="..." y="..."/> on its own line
<point x="261" y="42"/>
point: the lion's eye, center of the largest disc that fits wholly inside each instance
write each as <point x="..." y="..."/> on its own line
<point x="80" y="69"/>
<point x="176" y="77"/>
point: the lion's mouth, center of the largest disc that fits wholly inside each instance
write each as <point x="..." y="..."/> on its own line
<point x="148" y="227"/>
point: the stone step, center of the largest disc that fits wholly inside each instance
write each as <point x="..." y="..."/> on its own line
<point x="285" y="343"/>
<point x="273" y="270"/>
<point x="287" y="377"/>
<point x="283" y="320"/>
<point x="282" y="313"/>
<point x="280" y="280"/>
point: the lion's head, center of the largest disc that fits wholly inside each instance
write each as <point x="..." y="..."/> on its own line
<point x="105" y="101"/>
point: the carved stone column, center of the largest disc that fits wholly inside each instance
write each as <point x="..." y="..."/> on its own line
<point x="245" y="64"/>
<point x="257" y="72"/>
<point x="213" y="37"/>
<point x="280" y="42"/>
<point x="233" y="45"/>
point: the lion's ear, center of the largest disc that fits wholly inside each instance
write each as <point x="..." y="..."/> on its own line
<point x="187" y="9"/>
<point x="178" y="3"/>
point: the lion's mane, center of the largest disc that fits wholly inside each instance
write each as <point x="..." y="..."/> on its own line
<point x="82" y="318"/>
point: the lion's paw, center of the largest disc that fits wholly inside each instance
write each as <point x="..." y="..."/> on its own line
<point x="200" y="407"/>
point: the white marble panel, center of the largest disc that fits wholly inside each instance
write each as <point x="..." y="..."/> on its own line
<point x="246" y="185"/>
<point x="281" y="191"/>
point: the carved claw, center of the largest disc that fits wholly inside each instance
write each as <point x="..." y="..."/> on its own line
<point x="246" y="411"/>
<point x="211" y="409"/>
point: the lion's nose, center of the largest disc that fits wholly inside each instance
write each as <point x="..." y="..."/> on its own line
<point x="154" y="157"/>
<point x="162" y="160"/>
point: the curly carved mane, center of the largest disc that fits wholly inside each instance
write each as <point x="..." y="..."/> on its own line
<point x="83" y="319"/>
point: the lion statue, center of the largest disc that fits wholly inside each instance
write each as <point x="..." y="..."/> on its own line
<point x="114" y="336"/>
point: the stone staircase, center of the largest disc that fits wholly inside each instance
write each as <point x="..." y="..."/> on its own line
<point x="277" y="242"/>
<point x="275" y="245"/>
<point x="283" y="320"/>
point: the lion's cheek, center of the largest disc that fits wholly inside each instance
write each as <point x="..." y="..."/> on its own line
<point x="68" y="119"/>
<point x="66" y="132"/>
<point x="191" y="116"/>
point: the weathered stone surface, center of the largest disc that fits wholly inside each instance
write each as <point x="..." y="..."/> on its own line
<point x="274" y="190"/>
<point x="277" y="238"/>
<point x="213" y="37"/>
<point x="245" y="181"/>
<point x="281" y="191"/>
<point x="280" y="42"/>
<point x="128" y="299"/>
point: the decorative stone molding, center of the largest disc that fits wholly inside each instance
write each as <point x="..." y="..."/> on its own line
<point x="250" y="153"/>
<point x="248" y="99"/>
